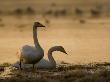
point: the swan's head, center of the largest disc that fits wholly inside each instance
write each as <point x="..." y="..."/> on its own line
<point x="37" y="24"/>
<point x="60" y="48"/>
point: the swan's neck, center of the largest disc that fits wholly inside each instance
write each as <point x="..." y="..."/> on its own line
<point x="51" y="59"/>
<point x="36" y="42"/>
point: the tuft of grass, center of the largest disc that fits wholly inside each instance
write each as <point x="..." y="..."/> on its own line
<point x="5" y="65"/>
<point x="2" y="66"/>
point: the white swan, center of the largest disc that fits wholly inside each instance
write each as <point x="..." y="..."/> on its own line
<point x="50" y="63"/>
<point x="30" y="54"/>
<point x="43" y="63"/>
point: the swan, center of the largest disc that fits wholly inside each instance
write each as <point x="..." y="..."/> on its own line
<point x="43" y="63"/>
<point x="31" y="54"/>
<point x="50" y="63"/>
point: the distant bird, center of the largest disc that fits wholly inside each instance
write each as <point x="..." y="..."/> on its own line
<point x="31" y="54"/>
<point x="79" y="11"/>
<point x="82" y="21"/>
<point x="43" y="63"/>
<point x="95" y="12"/>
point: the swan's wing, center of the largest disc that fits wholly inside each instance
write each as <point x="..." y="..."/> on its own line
<point x="28" y="50"/>
<point x="30" y="53"/>
<point x="43" y="63"/>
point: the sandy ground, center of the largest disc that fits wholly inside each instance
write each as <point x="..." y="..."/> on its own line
<point x="84" y="43"/>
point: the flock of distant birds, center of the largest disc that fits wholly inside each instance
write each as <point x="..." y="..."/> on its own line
<point x="34" y="54"/>
<point x="79" y="12"/>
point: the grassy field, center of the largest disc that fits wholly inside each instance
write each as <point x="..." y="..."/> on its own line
<point x="97" y="72"/>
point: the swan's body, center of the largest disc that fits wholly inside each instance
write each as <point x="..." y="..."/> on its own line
<point x="46" y="64"/>
<point x="30" y="54"/>
<point x="50" y="63"/>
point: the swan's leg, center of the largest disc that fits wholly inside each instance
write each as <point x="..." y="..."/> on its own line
<point x="33" y="70"/>
<point x="20" y="65"/>
<point x="33" y="66"/>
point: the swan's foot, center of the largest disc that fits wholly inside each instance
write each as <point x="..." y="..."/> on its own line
<point x="20" y="65"/>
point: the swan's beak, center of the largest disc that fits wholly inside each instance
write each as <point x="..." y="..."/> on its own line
<point x="65" y="52"/>
<point x="37" y="24"/>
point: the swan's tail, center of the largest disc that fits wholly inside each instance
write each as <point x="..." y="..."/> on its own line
<point x="57" y="48"/>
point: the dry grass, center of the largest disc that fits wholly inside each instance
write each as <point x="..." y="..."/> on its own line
<point x="76" y="73"/>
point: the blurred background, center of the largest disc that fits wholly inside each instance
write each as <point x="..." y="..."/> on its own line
<point x="82" y="27"/>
